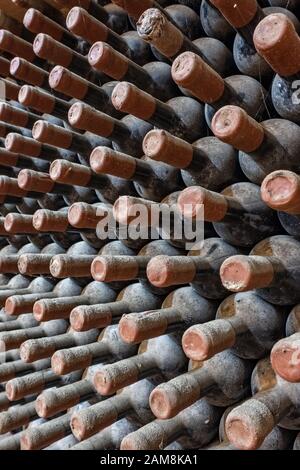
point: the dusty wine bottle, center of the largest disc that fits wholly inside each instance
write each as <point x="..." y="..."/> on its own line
<point x="132" y="401"/>
<point x="64" y="81"/>
<point x="190" y="428"/>
<point x="126" y="134"/>
<point x="238" y="214"/>
<point x="203" y="82"/>
<point x="279" y="190"/>
<point x="13" y="339"/>
<point x="36" y="382"/>
<point x="43" y="102"/>
<point x="47" y="48"/>
<point x="199" y="163"/>
<point x="86" y="26"/>
<point x="181" y="116"/>
<point x="161" y="356"/>
<point x="134" y="297"/>
<point x="222" y="380"/>
<point x="115" y="267"/>
<point x="200" y="268"/>
<point x="264" y="147"/>
<point x="271" y="268"/>
<point x="274" y="401"/>
<point x="182" y="308"/>
<point x="37" y="22"/>
<point x="151" y="180"/>
<point x="214" y="24"/>
<point x="107" y="188"/>
<point x="244" y="322"/>
<point x="47" y="133"/>
<point x="276" y="40"/>
<point x="244" y="16"/>
<point x="109" y="438"/>
<point x="109" y="347"/>
<point x="154" y="77"/>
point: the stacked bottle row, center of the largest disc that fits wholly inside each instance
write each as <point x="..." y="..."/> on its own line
<point x="113" y="341"/>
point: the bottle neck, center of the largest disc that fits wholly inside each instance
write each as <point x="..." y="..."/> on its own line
<point x="143" y="174"/>
<point x="247" y="31"/>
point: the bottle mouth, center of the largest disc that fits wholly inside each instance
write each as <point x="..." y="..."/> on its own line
<point x="280" y="190"/>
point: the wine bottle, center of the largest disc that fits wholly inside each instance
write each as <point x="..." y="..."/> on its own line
<point x="190" y="72"/>
<point x="108" y="348"/>
<point x="86" y="26"/>
<point x="162" y="355"/>
<point x="200" y="268"/>
<point x="17" y="116"/>
<point x="211" y="380"/>
<point x="271" y="269"/>
<point x="35" y="382"/>
<point x="54" y="52"/>
<point x="42" y="348"/>
<point x="244" y="322"/>
<point x="60" y="306"/>
<point x="16" y="46"/>
<point x="135" y="8"/>
<point x="189" y="428"/>
<point x="110" y="14"/>
<point x="10" y="262"/>
<point x="133" y="401"/>
<point x="107" y="188"/>
<point x="285" y="358"/>
<point x="134" y="297"/>
<point x="127" y="208"/>
<point x="26" y="72"/>
<point x="39" y="437"/>
<point x="18" y="368"/>
<point x="43" y="102"/>
<point x="279" y="191"/>
<point x="199" y="163"/>
<point x="21" y="304"/>
<point x="264" y="147"/>
<point x="154" y="27"/>
<point x="109" y="438"/>
<point x="214" y="24"/>
<point x="151" y="180"/>
<point x="284" y="355"/>
<point x="46" y="133"/>
<point x="277" y="41"/>
<point x="13" y="25"/>
<point x="16" y="417"/>
<point x="182" y="308"/>
<point x="244" y="18"/>
<point x="11" y="90"/>
<point x="116" y="268"/>
<point x="79" y="266"/>
<point x="86" y="216"/>
<point x="154" y="77"/>
<point x="9" y="259"/>
<point x="64" y="81"/>
<point x="126" y="134"/>
<point x="274" y="401"/>
<point x="238" y="214"/>
<point x="13" y="339"/>
<point x="37" y="22"/>
<point x="181" y="116"/>
<point x="278" y="439"/>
